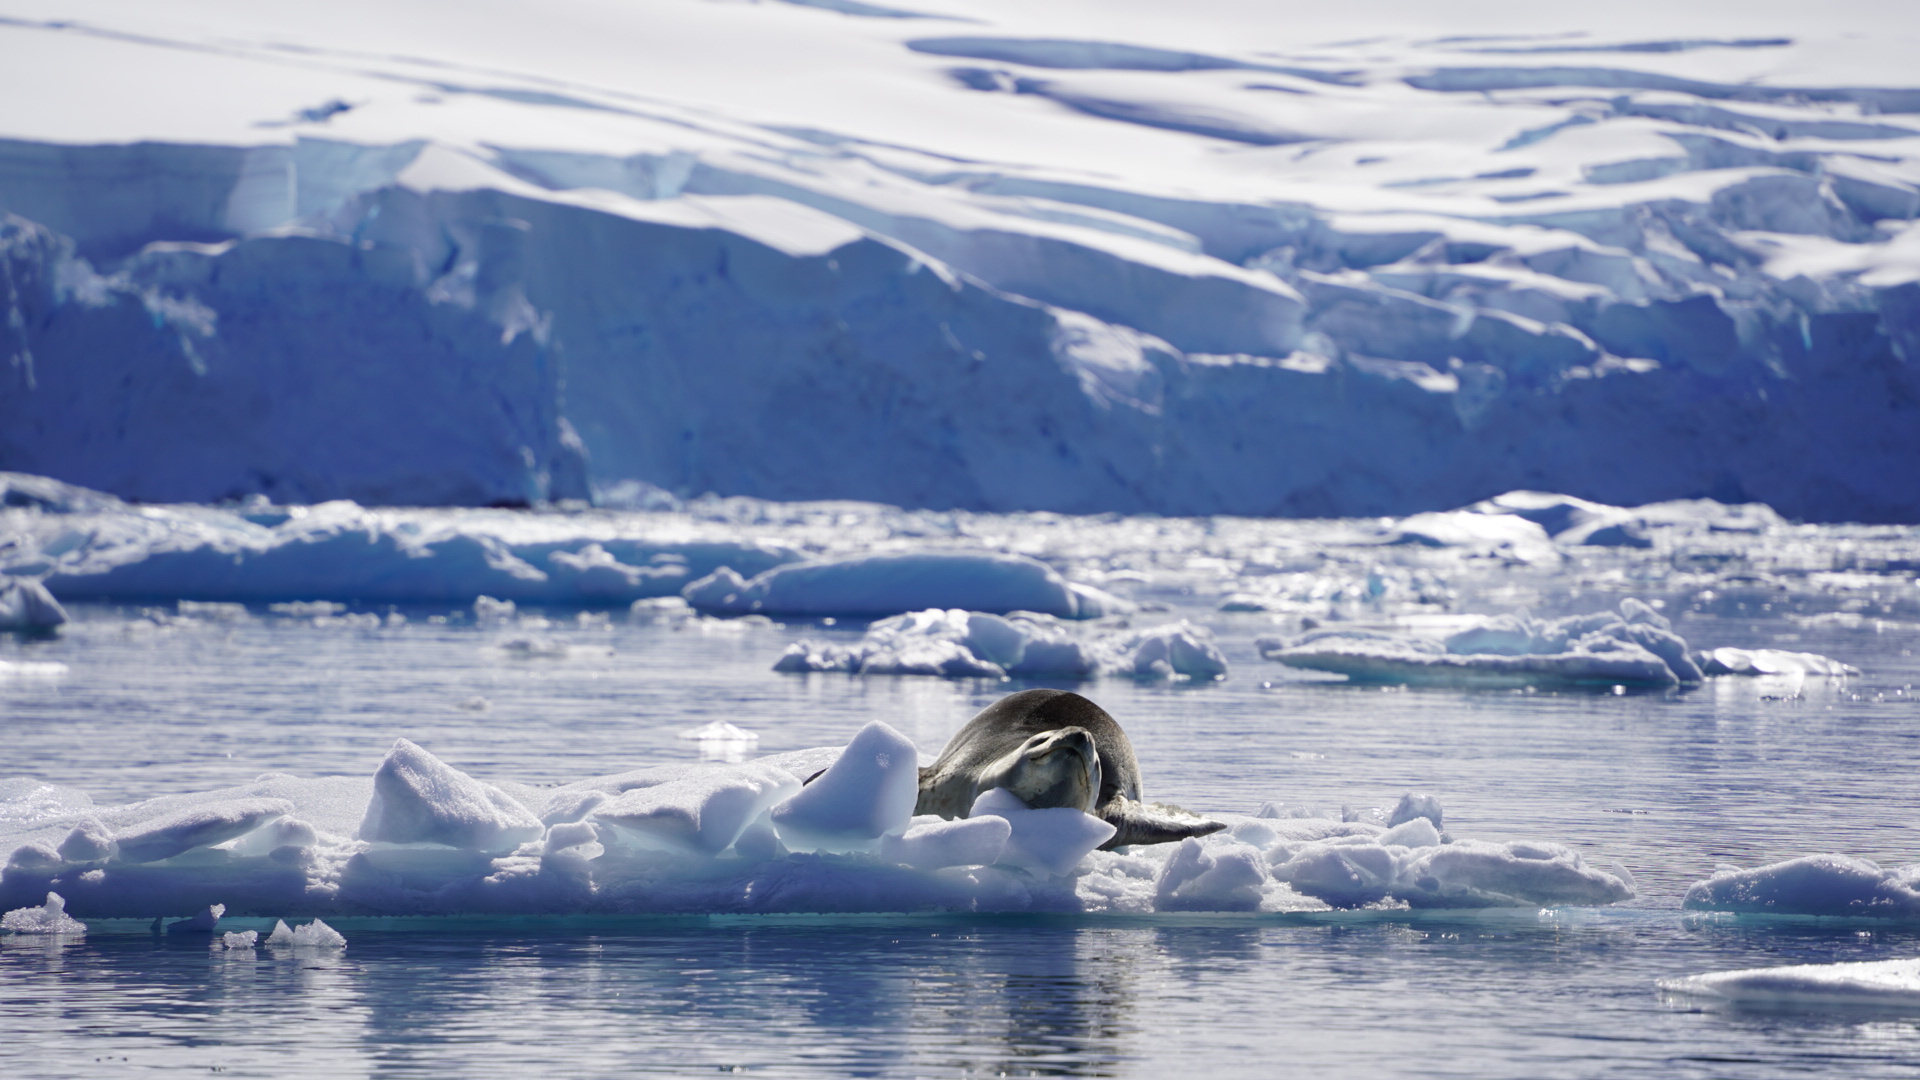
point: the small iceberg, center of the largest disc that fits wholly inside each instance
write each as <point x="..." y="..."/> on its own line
<point x="959" y="644"/>
<point x="1635" y="646"/>
<point x="1813" y="885"/>
<point x="1871" y="983"/>
<point x="877" y="585"/>
<point x="27" y="607"/>
<point x="49" y="918"/>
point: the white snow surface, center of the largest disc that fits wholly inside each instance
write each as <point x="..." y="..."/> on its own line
<point x="888" y="584"/>
<point x="1634" y="647"/>
<point x="1814" y="885"/>
<point x="49" y="918"/>
<point x="1082" y="256"/>
<point x="980" y="645"/>
<point x="693" y="838"/>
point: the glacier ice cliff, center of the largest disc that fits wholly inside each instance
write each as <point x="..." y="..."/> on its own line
<point x="1077" y="275"/>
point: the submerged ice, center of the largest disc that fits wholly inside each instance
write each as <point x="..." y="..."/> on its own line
<point x="422" y="837"/>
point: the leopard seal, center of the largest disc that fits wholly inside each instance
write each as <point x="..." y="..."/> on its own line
<point x="1053" y="748"/>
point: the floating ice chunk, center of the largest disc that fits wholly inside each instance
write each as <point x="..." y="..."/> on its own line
<point x="1050" y="841"/>
<point x="1479" y="873"/>
<point x="488" y="610"/>
<point x="704" y="813"/>
<point x="893" y="583"/>
<point x="1174" y="651"/>
<point x="935" y="844"/>
<point x="534" y="647"/>
<point x="1602" y="662"/>
<point x="1771" y="662"/>
<point x="973" y="644"/>
<point x="49" y="918"/>
<point x="26" y="605"/>
<point x="1200" y="877"/>
<point x="238" y="939"/>
<point x="31" y="669"/>
<point x="417" y="798"/>
<point x="1813" y="885"/>
<point x="313" y="935"/>
<point x="212" y="610"/>
<point x="1871" y="983"/>
<point x="204" y="921"/>
<point x="1463" y="528"/>
<point x="1635" y="647"/>
<point x="90" y="841"/>
<point x="196" y="826"/>
<point x="308" y="609"/>
<point x="867" y="793"/>
<point x="1413" y="863"/>
<point x="1413" y="807"/>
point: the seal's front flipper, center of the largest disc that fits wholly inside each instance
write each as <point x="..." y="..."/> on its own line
<point x="1152" y="823"/>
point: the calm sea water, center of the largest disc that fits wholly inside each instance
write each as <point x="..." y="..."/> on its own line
<point x="1667" y="785"/>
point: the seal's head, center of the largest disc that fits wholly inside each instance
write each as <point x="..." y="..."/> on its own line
<point x="1053" y="768"/>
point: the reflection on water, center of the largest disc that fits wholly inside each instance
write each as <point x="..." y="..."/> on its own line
<point x="1509" y="995"/>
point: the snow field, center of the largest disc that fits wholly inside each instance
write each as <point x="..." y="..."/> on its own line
<point x="1068" y="259"/>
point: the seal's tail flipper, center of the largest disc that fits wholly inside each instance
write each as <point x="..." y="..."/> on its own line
<point x="1152" y="823"/>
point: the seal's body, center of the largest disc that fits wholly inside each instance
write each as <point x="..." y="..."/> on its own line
<point x="1053" y="748"/>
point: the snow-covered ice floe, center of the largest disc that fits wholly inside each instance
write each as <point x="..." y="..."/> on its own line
<point x="420" y="837"/>
<point x="1635" y="646"/>
<point x="1830" y="885"/>
<point x="1870" y="984"/>
<point x="892" y="583"/>
<point x="975" y="644"/>
<point x="77" y="544"/>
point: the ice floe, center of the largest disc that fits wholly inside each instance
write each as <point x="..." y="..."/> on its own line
<point x="49" y="918"/>
<point x="1814" y="885"/>
<point x="892" y="583"/>
<point x="979" y="645"/>
<point x="26" y="605"/>
<point x="1635" y="646"/>
<point x="696" y="837"/>
<point x="1868" y="983"/>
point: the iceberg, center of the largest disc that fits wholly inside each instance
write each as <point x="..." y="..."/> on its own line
<point x="980" y="645"/>
<point x="27" y="606"/>
<point x="1869" y="983"/>
<point x="889" y="584"/>
<point x="1634" y="647"/>
<point x="49" y="918"/>
<point x="1835" y="885"/>
<point x="1148" y="270"/>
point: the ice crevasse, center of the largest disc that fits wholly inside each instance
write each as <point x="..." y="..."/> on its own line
<point x="420" y="837"/>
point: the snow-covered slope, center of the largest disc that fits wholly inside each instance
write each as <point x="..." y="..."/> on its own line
<point x="1078" y="256"/>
